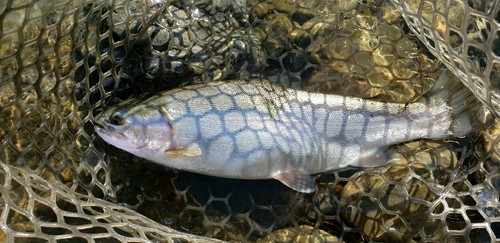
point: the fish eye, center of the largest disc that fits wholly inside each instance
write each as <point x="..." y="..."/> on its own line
<point x="117" y="119"/>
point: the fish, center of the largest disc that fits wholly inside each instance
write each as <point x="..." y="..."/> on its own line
<point x="256" y="129"/>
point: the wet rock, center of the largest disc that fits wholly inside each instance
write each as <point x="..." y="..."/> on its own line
<point x="392" y="202"/>
<point x="375" y="57"/>
<point x="303" y="233"/>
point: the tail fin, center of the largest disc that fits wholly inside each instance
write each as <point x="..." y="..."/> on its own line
<point x="467" y="113"/>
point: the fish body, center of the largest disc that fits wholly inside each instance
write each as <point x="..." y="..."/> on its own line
<point x="259" y="130"/>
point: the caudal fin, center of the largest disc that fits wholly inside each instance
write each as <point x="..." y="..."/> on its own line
<point x="467" y="113"/>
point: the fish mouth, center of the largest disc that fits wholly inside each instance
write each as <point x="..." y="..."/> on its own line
<point x="98" y="126"/>
<point x="106" y="131"/>
<point x="102" y="129"/>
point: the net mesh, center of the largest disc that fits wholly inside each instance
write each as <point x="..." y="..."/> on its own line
<point x="63" y="62"/>
<point x="464" y="35"/>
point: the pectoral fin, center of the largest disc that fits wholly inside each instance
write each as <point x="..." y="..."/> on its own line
<point x="184" y="151"/>
<point x="297" y="180"/>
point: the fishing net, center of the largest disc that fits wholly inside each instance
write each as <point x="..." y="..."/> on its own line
<point x="63" y="62"/>
<point x="464" y="36"/>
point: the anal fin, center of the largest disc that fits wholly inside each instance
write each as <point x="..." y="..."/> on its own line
<point x="373" y="158"/>
<point x="296" y="179"/>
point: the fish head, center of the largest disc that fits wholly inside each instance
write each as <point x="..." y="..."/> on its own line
<point x="139" y="129"/>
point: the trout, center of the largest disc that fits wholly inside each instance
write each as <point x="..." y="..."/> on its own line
<point x="259" y="130"/>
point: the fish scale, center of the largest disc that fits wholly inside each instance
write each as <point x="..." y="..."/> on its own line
<point x="258" y="130"/>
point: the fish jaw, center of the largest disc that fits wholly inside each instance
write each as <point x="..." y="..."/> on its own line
<point x="107" y="136"/>
<point x="108" y="133"/>
<point x="111" y="136"/>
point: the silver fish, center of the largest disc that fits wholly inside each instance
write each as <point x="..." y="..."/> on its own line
<point x="259" y="130"/>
